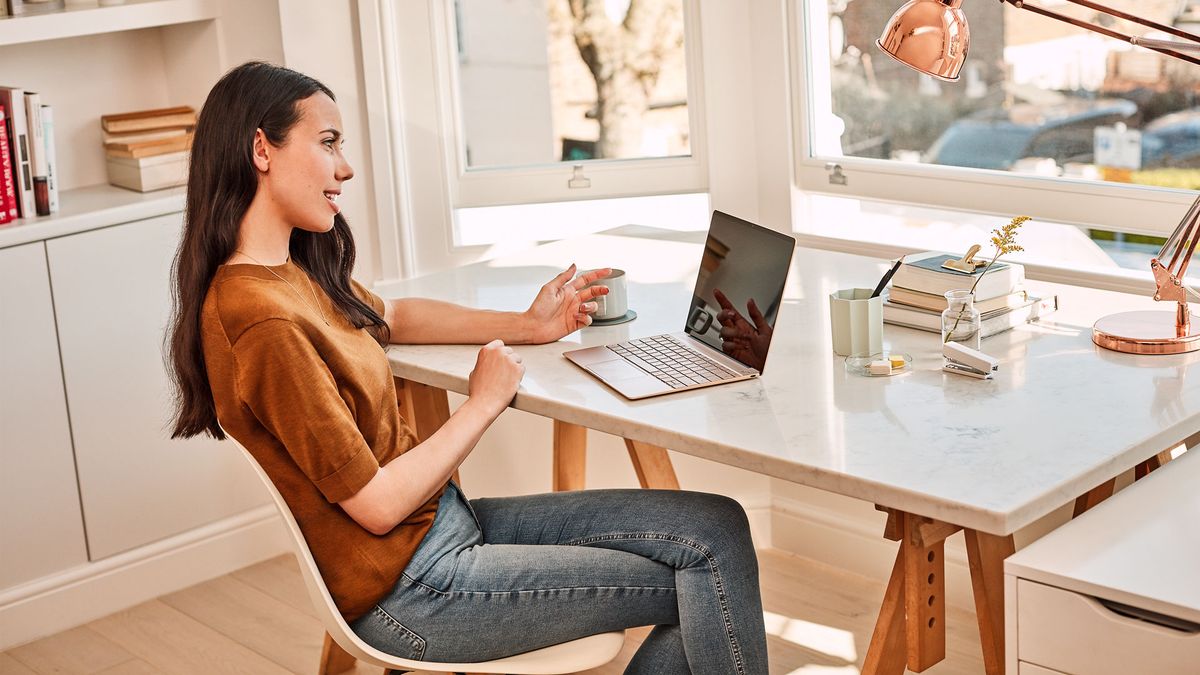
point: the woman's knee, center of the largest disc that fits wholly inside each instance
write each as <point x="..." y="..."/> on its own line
<point x="723" y="516"/>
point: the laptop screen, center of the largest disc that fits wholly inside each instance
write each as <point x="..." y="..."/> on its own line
<point x="739" y="288"/>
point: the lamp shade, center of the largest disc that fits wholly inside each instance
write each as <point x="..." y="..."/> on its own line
<point x="930" y="36"/>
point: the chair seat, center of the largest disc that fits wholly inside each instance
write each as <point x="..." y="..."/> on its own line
<point x="569" y="657"/>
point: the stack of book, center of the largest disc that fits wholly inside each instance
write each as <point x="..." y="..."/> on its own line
<point x="148" y="149"/>
<point x="916" y="298"/>
<point x="28" y="165"/>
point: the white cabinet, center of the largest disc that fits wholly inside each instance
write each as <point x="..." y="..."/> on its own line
<point x="112" y="301"/>
<point x="1117" y="590"/>
<point x="41" y="530"/>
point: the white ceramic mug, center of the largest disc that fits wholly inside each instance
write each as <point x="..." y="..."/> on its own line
<point x="856" y="321"/>
<point x="615" y="304"/>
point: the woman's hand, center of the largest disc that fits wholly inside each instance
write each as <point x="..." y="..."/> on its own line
<point x="497" y="374"/>
<point x="564" y="305"/>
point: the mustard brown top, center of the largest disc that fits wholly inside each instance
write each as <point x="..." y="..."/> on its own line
<point x="316" y="406"/>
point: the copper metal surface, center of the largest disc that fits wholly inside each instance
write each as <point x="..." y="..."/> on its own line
<point x="930" y="36"/>
<point x="1146" y="332"/>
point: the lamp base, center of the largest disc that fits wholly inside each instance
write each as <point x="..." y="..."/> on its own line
<point x="1146" y="333"/>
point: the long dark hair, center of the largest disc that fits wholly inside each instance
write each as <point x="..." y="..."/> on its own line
<point x="222" y="182"/>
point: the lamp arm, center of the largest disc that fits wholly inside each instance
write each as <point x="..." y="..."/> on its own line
<point x="1155" y="45"/>
<point x="1180" y="245"/>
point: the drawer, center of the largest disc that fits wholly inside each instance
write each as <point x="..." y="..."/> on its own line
<point x="1075" y="633"/>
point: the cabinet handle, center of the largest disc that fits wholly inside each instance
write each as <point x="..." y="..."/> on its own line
<point x="1152" y="617"/>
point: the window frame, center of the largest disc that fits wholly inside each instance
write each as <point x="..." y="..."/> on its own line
<point x="497" y="186"/>
<point x="1120" y="208"/>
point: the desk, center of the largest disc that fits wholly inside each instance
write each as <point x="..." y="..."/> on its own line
<point x="938" y="452"/>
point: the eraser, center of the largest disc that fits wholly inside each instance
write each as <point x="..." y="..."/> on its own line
<point x="897" y="361"/>
<point x="880" y="368"/>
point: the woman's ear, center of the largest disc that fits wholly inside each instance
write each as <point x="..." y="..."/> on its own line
<point x="261" y="151"/>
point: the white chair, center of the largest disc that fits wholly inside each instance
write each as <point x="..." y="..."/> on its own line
<point x="568" y="657"/>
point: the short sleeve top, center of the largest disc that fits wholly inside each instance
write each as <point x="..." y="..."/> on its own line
<point x="316" y="406"/>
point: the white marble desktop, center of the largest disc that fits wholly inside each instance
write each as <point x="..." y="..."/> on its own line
<point x="1061" y="416"/>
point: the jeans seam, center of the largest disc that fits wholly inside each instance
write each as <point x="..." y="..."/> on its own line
<point x="735" y="649"/>
<point x="391" y="622"/>
<point x="447" y="594"/>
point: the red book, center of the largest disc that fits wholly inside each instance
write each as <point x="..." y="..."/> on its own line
<point x="8" y="192"/>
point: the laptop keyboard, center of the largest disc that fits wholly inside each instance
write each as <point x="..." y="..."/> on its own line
<point x="673" y="364"/>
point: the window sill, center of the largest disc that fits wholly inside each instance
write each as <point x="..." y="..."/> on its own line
<point x="1054" y="252"/>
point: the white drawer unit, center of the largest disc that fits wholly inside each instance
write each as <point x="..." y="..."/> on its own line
<point x="1117" y="590"/>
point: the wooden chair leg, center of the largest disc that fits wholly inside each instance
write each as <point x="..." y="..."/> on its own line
<point x="653" y="465"/>
<point x="570" y="456"/>
<point x="334" y="659"/>
<point x="1094" y="496"/>
<point x="985" y="555"/>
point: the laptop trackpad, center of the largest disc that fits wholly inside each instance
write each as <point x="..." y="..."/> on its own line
<point x="616" y="369"/>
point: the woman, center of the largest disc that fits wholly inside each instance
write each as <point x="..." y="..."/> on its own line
<point x="275" y="344"/>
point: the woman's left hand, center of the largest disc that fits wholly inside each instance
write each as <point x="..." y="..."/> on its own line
<point x="564" y="305"/>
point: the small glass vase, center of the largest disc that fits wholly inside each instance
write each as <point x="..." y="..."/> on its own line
<point x="960" y="320"/>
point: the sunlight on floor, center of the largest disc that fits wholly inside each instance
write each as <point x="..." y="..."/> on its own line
<point x="833" y="642"/>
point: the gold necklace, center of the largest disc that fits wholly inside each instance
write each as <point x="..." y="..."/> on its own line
<point x="316" y="306"/>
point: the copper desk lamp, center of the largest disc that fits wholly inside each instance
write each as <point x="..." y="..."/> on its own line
<point x="932" y="37"/>
<point x="1160" y="332"/>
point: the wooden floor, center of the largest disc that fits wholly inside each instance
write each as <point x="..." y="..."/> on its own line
<point x="258" y="621"/>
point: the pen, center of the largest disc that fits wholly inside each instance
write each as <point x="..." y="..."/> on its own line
<point x="887" y="276"/>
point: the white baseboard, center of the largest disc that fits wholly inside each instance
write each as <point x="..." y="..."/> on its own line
<point x="855" y="543"/>
<point x="85" y="593"/>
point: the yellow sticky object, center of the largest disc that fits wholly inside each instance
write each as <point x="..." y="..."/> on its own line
<point x="897" y="361"/>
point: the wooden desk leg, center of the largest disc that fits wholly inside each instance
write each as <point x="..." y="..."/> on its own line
<point x="1094" y="496"/>
<point x="426" y="408"/>
<point x="985" y="555"/>
<point x="570" y="456"/>
<point x="653" y="465"/>
<point x="334" y="659"/>
<point x="911" y="629"/>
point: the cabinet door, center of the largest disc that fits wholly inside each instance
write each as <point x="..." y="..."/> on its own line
<point x="113" y="301"/>
<point x="41" y="530"/>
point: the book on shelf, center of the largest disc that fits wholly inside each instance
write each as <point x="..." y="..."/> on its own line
<point x="13" y="100"/>
<point x="38" y="162"/>
<point x="51" y="155"/>
<point x="148" y="173"/>
<point x="924" y="272"/>
<point x="8" y="191"/>
<point x="990" y="323"/>
<point x="905" y="296"/>
<point x="160" y="146"/>
<point x="152" y="135"/>
<point x="143" y="120"/>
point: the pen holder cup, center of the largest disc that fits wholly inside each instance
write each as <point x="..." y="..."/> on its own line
<point x="856" y="322"/>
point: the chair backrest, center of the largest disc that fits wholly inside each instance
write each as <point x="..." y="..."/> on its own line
<point x="322" y="601"/>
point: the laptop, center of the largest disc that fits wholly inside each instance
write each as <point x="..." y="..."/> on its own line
<point x="728" y="326"/>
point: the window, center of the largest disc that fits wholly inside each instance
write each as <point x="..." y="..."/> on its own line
<point x="1046" y="118"/>
<point x="569" y="99"/>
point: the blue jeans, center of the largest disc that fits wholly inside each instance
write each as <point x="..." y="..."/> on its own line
<point x="496" y="577"/>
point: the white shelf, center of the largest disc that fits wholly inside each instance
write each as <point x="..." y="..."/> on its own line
<point x="93" y="20"/>
<point x="89" y="208"/>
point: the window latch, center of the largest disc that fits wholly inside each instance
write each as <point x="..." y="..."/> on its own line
<point x="578" y="180"/>
<point x="836" y="177"/>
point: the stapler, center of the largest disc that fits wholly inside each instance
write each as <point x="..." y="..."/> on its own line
<point x="962" y="360"/>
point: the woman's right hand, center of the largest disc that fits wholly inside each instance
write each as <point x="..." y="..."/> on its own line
<point x="497" y="374"/>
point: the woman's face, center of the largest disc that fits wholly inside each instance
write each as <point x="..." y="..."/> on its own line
<point x="305" y="175"/>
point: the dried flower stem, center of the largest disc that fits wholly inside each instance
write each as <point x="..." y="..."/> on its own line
<point x="1005" y="241"/>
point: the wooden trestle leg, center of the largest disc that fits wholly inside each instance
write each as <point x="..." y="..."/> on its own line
<point x="911" y="629"/>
